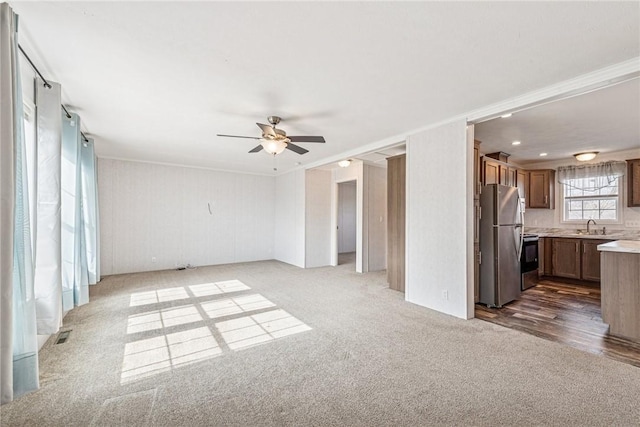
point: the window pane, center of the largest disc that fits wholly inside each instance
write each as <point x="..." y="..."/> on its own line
<point x="608" y="204"/>
<point x="575" y="205"/>
<point x="591" y="214"/>
<point x="607" y="214"/>
<point x="590" y="204"/>
<point x="574" y="215"/>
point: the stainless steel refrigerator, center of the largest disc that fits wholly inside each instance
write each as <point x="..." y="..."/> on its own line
<point x="501" y="240"/>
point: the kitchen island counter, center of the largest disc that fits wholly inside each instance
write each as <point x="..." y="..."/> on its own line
<point x="620" y="287"/>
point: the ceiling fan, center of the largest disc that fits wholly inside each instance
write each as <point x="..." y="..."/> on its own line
<point x="275" y="141"/>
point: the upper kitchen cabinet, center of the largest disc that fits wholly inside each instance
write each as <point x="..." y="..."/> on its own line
<point x="541" y="189"/>
<point x="521" y="182"/>
<point x="633" y="182"/>
<point x="496" y="170"/>
<point x="490" y="171"/>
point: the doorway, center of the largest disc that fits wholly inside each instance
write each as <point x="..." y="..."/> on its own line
<point x="347" y="222"/>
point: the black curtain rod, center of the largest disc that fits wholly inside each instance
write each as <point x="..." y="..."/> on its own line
<point x="47" y="85"/>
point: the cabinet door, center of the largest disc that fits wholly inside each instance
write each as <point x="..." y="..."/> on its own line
<point x="545" y="256"/>
<point x="504" y="175"/>
<point x="521" y="183"/>
<point x="591" y="259"/>
<point x="633" y="182"/>
<point x="538" y="196"/>
<point x="491" y="172"/>
<point x="566" y="258"/>
<point x="512" y="177"/>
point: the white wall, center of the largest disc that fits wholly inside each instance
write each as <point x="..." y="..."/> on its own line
<point x="290" y="218"/>
<point x="156" y="211"/>
<point x="439" y="253"/>
<point x="318" y="218"/>
<point x="551" y="218"/>
<point x="374" y="246"/>
<point x="347" y="203"/>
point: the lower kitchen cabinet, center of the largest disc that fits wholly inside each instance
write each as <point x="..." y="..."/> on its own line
<point x="573" y="258"/>
<point x="566" y="258"/>
<point x="591" y="259"/>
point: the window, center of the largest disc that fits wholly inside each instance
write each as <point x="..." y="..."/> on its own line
<point x="595" y="198"/>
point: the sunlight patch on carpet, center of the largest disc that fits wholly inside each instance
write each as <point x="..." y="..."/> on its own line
<point x="161" y="295"/>
<point x="259" y="328"/>
<point x="164" y="318"/>
<point x="217" y="288"/>
<point x="150" y="356"/>
<point x="242" y="304"/>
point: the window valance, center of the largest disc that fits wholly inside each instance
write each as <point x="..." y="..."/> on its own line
<point x="592" y="176"/>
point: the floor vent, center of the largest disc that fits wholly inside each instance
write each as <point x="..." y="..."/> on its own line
<point x="62" y="337"/>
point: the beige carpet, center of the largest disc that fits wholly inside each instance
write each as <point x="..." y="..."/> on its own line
<point x="266" y="343"/>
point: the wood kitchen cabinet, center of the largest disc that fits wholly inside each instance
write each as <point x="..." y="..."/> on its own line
<point x="521" y="182"/>
<point x="591" y="259"/>
<point x="541" y="189"/>
<point x="566" y="258"/>
<point x="490" y="172"/>
<point x="572" y="258"/>
<point x="496" y="172"/>
<point x="545" y="256"/>
<point x="633" y="182"/>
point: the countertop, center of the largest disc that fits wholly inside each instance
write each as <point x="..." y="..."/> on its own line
<point x="626" y="246"/>
<point x="573" y="234"/>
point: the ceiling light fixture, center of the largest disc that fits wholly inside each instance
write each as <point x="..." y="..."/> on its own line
<point x="344" y="163"/>
<point x="583" y="157"/>
<point x="506" y="116"/>
<point x="543" y="154"/>
<point x="273" y="146"/>
<point x="516" y="143"/>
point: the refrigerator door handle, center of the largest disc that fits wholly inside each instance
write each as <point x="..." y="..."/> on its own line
<point x="520" y="246"/>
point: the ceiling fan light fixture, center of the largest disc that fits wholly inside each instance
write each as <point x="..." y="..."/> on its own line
<point x="273" y="146"/>
<point x="344" y="163"/>
<point x="584" y="157"/>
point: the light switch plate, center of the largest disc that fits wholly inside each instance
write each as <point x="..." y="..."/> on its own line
<point x="632" y="224"/>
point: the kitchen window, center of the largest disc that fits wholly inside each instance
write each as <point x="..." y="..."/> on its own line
<point x="592" y="192"/>
<point x="591" y="198"/>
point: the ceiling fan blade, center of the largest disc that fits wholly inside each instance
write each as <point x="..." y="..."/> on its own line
<point x="296" y="148"/>
<point x="306" y="138"/>
<point x="238" y="136"/>
<point x="266" y="129"/>
<point x="256" y="149"/>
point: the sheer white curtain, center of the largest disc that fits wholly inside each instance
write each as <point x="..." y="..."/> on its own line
<point x="75" y="276"/>
<point x="593" y="176"/>
<point x="18" y="344"/>
<point x="90" y="222"/>
<point x="48" y="278"/>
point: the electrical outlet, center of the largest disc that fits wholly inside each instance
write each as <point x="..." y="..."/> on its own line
<point x="153" y="259"/>
<point x="632" y="224"/>
<point x="445" y="295"/>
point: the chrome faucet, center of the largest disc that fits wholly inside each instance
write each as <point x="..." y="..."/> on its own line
<point x="594" y="223"/>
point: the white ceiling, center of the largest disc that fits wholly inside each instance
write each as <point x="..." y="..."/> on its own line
<point x="156" y="81"/>
<point x="605" y="120"/>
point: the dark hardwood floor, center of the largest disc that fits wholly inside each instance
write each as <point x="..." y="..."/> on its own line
<point x="566" y="313"/>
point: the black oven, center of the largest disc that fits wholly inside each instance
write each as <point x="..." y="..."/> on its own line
<point x="529" y="261"/>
